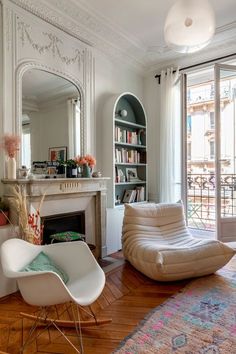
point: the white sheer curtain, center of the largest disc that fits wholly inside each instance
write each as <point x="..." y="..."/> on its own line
<point x="169" y="146"/>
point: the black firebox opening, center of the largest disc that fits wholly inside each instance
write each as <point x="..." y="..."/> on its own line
<point x="53" y="224"/>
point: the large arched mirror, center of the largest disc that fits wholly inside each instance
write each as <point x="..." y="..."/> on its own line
<point x="51" y="117"/>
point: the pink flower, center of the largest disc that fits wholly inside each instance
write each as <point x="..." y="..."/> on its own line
<point x="11" y="144"/>
<point x="85" y="160"/>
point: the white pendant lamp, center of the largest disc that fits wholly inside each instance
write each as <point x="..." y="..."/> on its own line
<point x="189" y="25"/>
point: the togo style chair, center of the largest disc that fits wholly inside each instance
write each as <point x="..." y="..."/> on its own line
<point x="45" y="288"/>
<point x="156" y="241"/>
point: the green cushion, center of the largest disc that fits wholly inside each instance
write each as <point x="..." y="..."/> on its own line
<point x="67" y="236"/>
<point x="43" y="263"/>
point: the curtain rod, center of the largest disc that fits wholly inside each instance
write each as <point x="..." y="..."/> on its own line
<point x="158" y="76"/>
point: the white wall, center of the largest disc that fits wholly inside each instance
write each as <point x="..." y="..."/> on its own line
<point x="152" y="104"/>
<point x="111" y="77"/>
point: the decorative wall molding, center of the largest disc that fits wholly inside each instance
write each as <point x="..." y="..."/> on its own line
<point x="31" y="43"/>
<point x="7" y="28"/>
<point x="81" y="25"/>
<point x="52" y="45"/>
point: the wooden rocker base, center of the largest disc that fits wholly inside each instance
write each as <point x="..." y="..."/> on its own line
<point x="66" y="323"/>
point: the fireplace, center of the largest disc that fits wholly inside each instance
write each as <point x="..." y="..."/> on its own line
<point x="63" y="197"/>
<point x="53" y="224"/>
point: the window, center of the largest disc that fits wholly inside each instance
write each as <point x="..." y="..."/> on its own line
<point x="77" y="128"/>
<point x="26" y="146"/>
<point x="212" y="120"/>
<point x="212" y="149"/>
<point x="189" y="124"/>
<point x="189" y="153"/>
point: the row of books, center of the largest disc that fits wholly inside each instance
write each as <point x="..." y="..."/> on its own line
<point x="127" y="156"/>
<point x="134" y="195"/>
<point x="127" y="136"/>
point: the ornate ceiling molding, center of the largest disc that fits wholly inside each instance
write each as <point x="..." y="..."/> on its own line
<point x="216" y="51"/>
<point x="83" y="23"/>
<point x="78" y="23"/>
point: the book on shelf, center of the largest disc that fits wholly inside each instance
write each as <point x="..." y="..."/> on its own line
<point x="123" y="155"/>
<point x="126" y="136"/>
<point x="140" y="194"/>
<point x="134" y="195"/>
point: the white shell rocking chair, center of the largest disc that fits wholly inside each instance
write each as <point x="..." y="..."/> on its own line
<point x="46" y="288"/>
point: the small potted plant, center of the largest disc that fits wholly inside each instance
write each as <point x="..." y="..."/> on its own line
<point x="4" y="213"/>
<point x="71" y="168"/>
<point x="61" y="167"/>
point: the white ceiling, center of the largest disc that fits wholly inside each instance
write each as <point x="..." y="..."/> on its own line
<point x="132" y="30"/>
<point x="135" y="29"/>
<point x="143" y="20"/>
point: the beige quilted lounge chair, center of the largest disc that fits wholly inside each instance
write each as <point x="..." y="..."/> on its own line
<point x="157" y="242"/>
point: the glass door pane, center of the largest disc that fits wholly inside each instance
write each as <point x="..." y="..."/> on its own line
<point x="200" y="150"/>
<point x="225" y="80"/>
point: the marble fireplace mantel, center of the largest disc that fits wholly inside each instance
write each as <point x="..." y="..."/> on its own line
<point x="66" y="195"/>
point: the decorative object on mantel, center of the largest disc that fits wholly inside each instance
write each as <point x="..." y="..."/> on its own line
<point x="71" y="168"/>
<point x="58" y="153"/>
<point x="4" y="213"/>
<point x="87" y="163"/>
<point x="29" y="222"/>
<point x="23" y="172"/>
<point x="11" y="144"/>
<point x="97" y="174"/>
<point x="61" y="168"/>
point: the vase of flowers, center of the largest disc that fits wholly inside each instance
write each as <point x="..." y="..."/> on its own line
<point x="87" y="164"/>
<point x="11" y="144"/>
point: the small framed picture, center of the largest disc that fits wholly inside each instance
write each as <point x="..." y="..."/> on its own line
<point x="121" y="175"/>
<point x="128" y="196"/>
<point x="131" y="174"/>
<point x="58" y="153"/>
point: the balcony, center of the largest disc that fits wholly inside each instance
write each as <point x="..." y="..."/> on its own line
<point x="205" y="94"/>
<point x="201" y="211"/>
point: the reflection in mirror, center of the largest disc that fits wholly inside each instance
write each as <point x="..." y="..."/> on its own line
<point x="50" y="116"/>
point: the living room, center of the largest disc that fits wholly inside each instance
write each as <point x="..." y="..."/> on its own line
<point x="109" y="67"/>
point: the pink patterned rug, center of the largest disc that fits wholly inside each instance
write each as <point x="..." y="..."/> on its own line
<point x="201" y="319"/>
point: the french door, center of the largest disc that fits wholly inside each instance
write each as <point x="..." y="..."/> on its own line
<point x="225" y="149"/>
<point x="209" y="151"/>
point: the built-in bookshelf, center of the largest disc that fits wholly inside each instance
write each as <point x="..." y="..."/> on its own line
<point x="126" y="162"/>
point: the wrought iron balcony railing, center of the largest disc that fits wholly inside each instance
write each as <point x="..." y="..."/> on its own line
<point x="202" y="199"/>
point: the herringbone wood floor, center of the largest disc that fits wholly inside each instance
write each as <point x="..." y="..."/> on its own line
<point x="127" y="297"/>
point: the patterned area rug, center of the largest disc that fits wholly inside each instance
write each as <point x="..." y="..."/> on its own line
<point x="201" y="319"/>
